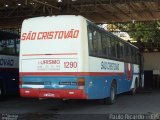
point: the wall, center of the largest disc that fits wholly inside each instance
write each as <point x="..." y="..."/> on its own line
<point x="152" y="61"/>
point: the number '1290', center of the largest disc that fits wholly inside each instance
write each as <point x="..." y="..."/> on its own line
<point x="70" y="64"/>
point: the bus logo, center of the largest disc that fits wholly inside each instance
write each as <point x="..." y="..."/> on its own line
<point x="46" y="35"/>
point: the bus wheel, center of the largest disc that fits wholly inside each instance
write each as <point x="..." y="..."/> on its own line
<point x="112" y="98"/>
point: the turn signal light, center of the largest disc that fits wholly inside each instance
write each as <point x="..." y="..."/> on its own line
<point x="81" y="83"/>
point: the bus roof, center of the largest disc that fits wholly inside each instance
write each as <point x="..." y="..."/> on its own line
<point x="55" y="16"/>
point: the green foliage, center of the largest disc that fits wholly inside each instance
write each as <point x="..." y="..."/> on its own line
<point x="144" y="31"/>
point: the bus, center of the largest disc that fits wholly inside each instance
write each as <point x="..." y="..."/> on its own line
<point x="9" y="60"/>
<point x="69" y="57"/>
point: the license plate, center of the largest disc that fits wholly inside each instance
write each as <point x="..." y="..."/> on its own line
<point x="49" y="95"/>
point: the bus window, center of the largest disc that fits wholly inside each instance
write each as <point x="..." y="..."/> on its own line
<point x="121" y="50"/>
<point x="95" y="42"/>
<point x="140" y="58"/>
<point x="98" y="37"/>
<point x="113" y="48"/>
<point x="90" y="41"/>
<point x="17" y="46"/>
<point x="95" y="45"/>
<point x="118" y="49"/>
<point x="133" y="55"/>
<point x="128" y="53"/>
<point x="106" y="45"/>
<point x="109" y="46"/>
<point x="7" y="46"/>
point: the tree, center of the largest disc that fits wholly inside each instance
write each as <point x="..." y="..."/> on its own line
<point x="144" y="31"/>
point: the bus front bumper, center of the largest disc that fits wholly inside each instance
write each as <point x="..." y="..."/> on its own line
<point x="48" y="93"/>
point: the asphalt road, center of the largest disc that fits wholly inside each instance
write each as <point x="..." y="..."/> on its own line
<point x="23" y="108"/>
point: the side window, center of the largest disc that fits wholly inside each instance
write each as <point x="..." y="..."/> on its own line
<point x="128" y="53"/>
<point x="109" y="46"/>
<point x="95" y="43"/>
<point x="99" y="45"/>
<point x="106" y="46"/>
<point x="17" y="46"/>
<point x="121" y="50"/>
<point x="94" y="40"/>
<point x="90" y="40"/>
<point x="8" y="46"/>
<point x="138" y="57"/>
<point x="118" y="49"/>
<point x="133" y="55"/>
<point x="113" y="48"/>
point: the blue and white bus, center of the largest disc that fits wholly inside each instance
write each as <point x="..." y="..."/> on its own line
<point x="9" y="60"/>
<point x="69" y="57"/>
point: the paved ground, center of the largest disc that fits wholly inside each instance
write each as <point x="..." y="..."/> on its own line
<point x="141" y="103"/>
